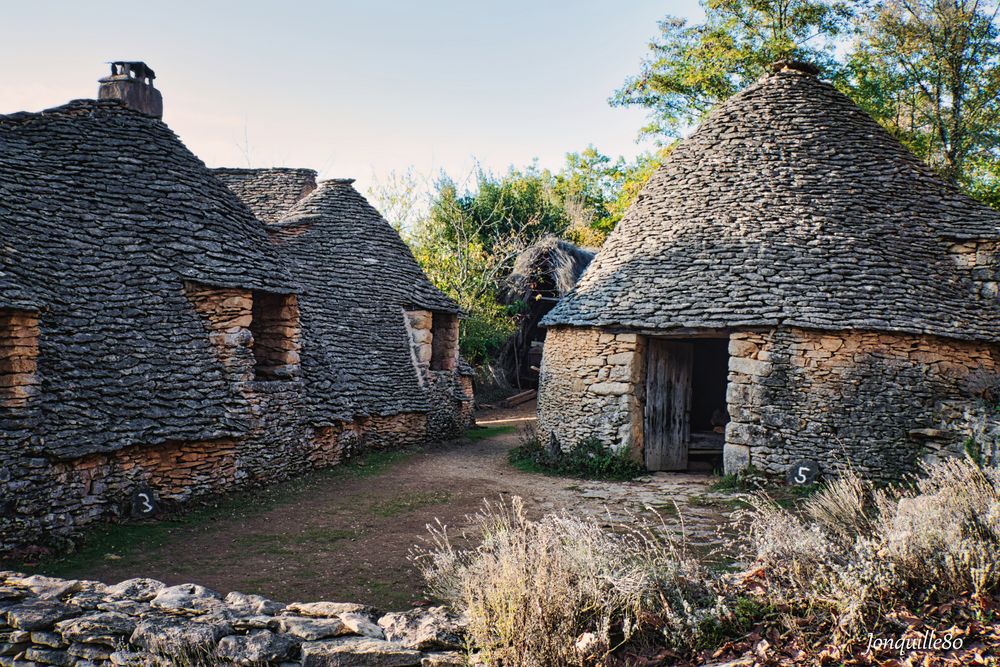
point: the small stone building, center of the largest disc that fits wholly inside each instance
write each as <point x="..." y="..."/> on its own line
<point x="156" y="335"/>
<point x="791" y="284"/>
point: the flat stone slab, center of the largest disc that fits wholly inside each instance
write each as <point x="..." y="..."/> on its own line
<point x="328" y="609"/>
<point x="358" y="652"/>
<point x="38" y="614"/>
<point x="140" y="589"/>
<point x="312" y="628"/>
<point x="189" y="598"/>
<point x="104" y="628"/>
<point x="258" y="648"/>
<point x="433" y="628"/>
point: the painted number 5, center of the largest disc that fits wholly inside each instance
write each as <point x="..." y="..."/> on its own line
<point x="803" y="472"/>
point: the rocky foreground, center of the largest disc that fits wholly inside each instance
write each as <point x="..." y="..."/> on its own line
<point x="139" y="622"/>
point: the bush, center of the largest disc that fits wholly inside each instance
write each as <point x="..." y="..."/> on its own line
<point x="857" y="552"/>
<point x="483" y="333"/>
<point x="565" y="591"/>
<point x="589" y="459"/>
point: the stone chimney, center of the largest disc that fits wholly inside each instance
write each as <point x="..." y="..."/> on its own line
<point x="799" y="66"/>
<point x="132" y="83"/>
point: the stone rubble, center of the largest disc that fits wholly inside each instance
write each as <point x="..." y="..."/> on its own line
<point x="140" y="622"/>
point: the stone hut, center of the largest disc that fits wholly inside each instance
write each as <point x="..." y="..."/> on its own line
<point x="792" y="284"/>
<point x="364" y="301"/>
<point x="157" y="338"/>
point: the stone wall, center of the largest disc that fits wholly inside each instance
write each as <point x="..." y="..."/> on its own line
<point x="434" y="342"/>
<point x="875" y="401"/>
<point x="48" y="501"/>
<point x="982" y="261"/>
<point x="143" y="623"/>
<point x="879" y="402"/>
<point x="18" y="358"/>
<point x="590" y="385"/>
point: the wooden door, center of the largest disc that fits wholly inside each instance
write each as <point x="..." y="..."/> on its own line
<point x="668" y="404"/>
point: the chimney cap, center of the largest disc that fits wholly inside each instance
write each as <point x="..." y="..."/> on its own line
<point x="136" y="68"/>
<point x="801" y="66"/>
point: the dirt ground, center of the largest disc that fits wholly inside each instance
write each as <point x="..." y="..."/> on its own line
<point x="348" y="537"/>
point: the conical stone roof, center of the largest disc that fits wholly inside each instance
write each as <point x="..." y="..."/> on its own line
<point x="357" y="279"/>
<point x="790" y="205"/>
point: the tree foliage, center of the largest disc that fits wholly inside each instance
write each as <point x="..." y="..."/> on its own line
<point x="691" y="68"/>
<point x="927" y="70"/>
<point x="469" y="237"/>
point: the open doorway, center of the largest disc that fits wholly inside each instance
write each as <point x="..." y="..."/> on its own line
<point x="685" y="412"/>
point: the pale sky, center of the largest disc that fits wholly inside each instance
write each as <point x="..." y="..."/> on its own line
<point x="353" y="88"/>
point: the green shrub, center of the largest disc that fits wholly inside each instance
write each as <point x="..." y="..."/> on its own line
<point x="589" y="459"/>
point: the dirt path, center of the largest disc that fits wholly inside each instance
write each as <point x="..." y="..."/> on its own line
<point x="348" y="536"/>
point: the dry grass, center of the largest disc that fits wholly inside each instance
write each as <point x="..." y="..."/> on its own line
<point x="857" y="553"/>
<point x="566" y="591"/>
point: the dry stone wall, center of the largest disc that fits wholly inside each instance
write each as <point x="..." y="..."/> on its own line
<point x="875" y="401"/>
<point x="590" y="386"/>
<point x="18" y="358"/>
<point x="879" y="402"/>
<point x="982" y="261"/>
<point x="144" y="623"/>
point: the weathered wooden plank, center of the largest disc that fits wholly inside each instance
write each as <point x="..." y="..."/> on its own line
<point x="668" y="404"/>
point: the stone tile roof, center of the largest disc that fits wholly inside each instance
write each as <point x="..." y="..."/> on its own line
<point x="13" y="295"/>
<point x="270" y="193"/>
<point x="790" y="205"/>
<point x="103" y="215"/>
<point x="357" y="277"/>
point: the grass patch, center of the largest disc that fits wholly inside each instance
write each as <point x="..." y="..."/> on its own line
<point x="370" y="464"/>
<point x="590" y="459"/>
<point x="282" y="544"/>
<point x="120" y="541"/>
<point x="482" y="433"/>
<point x="409" y="502"/>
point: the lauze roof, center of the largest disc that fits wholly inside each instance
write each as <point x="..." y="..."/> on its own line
<point x="104" y="214"/>
<point x="357" y="276"/>
<point x="790" y="205"/>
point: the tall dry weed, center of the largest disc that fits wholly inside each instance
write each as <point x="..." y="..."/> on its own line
<point x="857" y="552"/>
<point x="566" y="591"/>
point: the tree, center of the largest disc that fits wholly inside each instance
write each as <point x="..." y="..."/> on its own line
<point x="469" y="239"/>
<point x="929" y="70"/>
<point x="401" y="198"/>
<point x="595" y="191"/>
<point x="691" y="68"/>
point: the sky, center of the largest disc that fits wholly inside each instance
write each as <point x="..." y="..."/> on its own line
<point x="360" y="88"/>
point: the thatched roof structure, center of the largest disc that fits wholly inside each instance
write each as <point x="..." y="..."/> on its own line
<point x="551" y="259"/>
<point x="790" y="205"/>
<point x="542" y="274"/>
<point x="104" y="214"/>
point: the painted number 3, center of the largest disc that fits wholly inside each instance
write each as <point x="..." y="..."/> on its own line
<point x="145" y="503"/>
